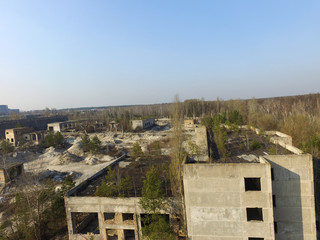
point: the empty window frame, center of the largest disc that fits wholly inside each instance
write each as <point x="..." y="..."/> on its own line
<point x="129" y="234"/>
<point x="254" y="238"/>
<point x="112" y="234"/>
<point x="254" y="214"/>
<point x="108" y="216"/>
<point x="272" y="174"/>
<point x="127" y="216"/>
<point x="252" y="184"/>
<point x="85" y="223"/>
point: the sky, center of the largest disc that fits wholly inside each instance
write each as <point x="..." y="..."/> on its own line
<point x="64" y="54"/>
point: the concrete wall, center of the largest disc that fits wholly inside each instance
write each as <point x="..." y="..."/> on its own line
<point x="101" y="205"/>
<point x="11" y="172"/>
<point x="15" y="135"/>
<point x="36" y="123"/>
<point x="216" y="201"/>
<point x="293" y="189"/>
<point x="146" y="123"/>
<point x="202" y="140"/>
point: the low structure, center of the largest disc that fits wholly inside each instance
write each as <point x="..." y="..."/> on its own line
<point x="189" y="122"/>
<point x="113" y="126"/>
<point x="61" y="126"/>
<point x="143" y="123"/>
<point x="16" y="135"/>
<point x="35" y="136"/>
<point x="111" y="217"/>
<point x="10" y="171"/>
<point x="256" y="192"/>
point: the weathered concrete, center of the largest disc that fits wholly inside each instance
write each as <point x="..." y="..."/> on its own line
<point x="15" y="135"/>
<point x="102" y="205"/>
<point x="37" y="124"/>
<point x="10" y="171"/>
<point x="216" y="201"/>
<point x="293" y="190"/>
<point x="143" y="123"/>
<point x="61" y="126"/>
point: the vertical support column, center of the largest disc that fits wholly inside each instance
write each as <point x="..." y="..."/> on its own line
<point x="102" y="229"/>
<point x="138" y="230"/>
<point x="70" y="224"/>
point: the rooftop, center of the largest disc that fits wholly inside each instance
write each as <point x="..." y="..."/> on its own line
<point x="242" y="146"/>
<point x="136" y="169"/>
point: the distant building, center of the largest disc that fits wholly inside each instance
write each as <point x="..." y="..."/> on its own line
<point x="4" y="110"/>
<point x="61" y="126"/>
<point x="10" y="171"/>
<point x="142" y="123"/>
<point x="15" y="135"/>
<point x="37" y="123"/>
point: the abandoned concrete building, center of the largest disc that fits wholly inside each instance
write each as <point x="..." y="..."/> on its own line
<point x="263" y="194"/>
<point x="23" y="134"/>
<point x="261" y="187"/>
<point x="110" y="218"/>
<point x="142" y="123"/>
<point x="10" y="171"/>
<point x="61" y="126"/>
<point x="37" y="123"/>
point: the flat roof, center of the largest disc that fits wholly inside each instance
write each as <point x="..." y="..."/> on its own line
<point x="244" y="145"/>
<point x="135" y="168"/>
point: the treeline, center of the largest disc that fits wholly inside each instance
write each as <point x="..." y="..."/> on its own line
<point x="298" y="116"/>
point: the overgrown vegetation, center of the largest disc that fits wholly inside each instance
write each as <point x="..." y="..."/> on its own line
<point x="136" y="150"/>
<point x="6" y="147"/>
<point x="37" y="212"/>
<point x="155" y="226"/>
<point x="53" y="140"/>
<point x="114" y="185"/>
<point x="90" y="145"/>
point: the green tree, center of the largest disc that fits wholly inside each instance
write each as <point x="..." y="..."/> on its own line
<point x="53" y="140"/>
<point x="108" y="187"/>
<point x="94" y="144"/>
<point x="85" y="141"/>
<point x="155" y="225"/>
<point x="6" y="147"/>
<point x="152" y="191"/>
<point x="125" y="186"/>
<point x="137" y="150"/>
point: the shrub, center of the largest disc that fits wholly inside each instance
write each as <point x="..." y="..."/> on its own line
<point x="255" y="145"/>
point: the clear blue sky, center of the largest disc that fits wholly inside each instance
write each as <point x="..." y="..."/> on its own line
<point x="61" y="54"/>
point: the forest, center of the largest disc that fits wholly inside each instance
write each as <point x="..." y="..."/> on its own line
<point x="298" y="116"/>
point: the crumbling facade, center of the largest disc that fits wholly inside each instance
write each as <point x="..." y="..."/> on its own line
<point x="272" y="198"/>
<point x="110" y="218"/>
<point x="61" y="126"/>
<point x="10" y="171"/>
<point x="143" y="123"/>
<point x="15" y="135"/>
<point x="264" y="197"/>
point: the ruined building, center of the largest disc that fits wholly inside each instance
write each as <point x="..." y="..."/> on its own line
<point x="23" y="134"/>
<point x="253" y="195"/>
<point x="257" y="187"/>
<point x="142" y="123"/>
<point x="112" y="217"/>
<point x="10" y="171"/>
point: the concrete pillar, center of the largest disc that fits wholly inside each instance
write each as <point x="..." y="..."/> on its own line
<point x="138" y="231"/>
